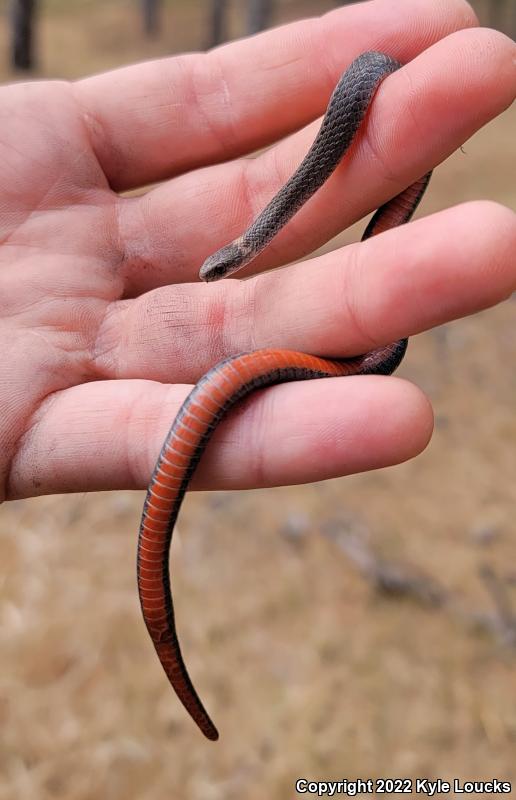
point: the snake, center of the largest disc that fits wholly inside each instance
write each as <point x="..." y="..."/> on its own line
<point x="237" y="376"/>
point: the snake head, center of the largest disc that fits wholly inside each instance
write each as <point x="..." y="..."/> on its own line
<point x="225" y="261"/>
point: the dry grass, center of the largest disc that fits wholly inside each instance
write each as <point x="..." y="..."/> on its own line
<point x="306" y="670"/>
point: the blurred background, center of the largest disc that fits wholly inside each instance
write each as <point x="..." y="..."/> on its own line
<point x="360" y="627"/>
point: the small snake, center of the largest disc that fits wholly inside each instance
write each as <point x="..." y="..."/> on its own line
<point x="235" y="377"/>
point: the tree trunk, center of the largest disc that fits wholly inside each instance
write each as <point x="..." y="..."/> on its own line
<point x="217" y="32"/>
<point x="259" y="15"/>
<point x="511" y="30"/>
<point x="503" y="16"/>
<point x="22" y="33"/>
<point x="151" y="12"/>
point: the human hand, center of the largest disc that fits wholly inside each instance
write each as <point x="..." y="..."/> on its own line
<point x="102" y="327"/>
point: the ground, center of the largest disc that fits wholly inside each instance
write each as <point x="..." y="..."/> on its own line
<point x="307" y="668"/>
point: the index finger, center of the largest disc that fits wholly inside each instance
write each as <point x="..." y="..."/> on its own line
<point x="150" y="121"/>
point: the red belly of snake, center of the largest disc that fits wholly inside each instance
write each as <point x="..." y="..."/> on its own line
<point x="235" y="377"/>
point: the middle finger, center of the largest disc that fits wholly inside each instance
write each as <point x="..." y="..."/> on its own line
<point x="344" y="303"/>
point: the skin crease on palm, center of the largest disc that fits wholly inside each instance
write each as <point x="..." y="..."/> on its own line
<point x="104" y="323"/>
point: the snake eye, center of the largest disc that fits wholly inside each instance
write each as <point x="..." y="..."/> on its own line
<point x="222" y="263"/>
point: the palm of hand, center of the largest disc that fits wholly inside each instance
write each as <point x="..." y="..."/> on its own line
<point x="60" y="264"/>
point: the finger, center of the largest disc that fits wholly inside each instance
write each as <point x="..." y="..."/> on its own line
<point x="419" y="116"/>
<point x="153" y="120"/>
<point x="107" y="435"/>
<point x="398" y="283"/>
